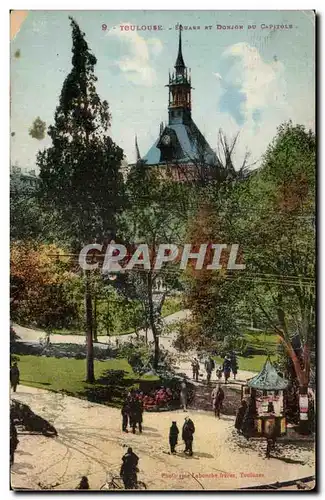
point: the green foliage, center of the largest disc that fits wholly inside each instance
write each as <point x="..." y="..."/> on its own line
<point x="80" y="173"/>
<point x="270" y="214"/>
<point x="37" y="130"/>
<point x="172" y="305"/>
<point x="38" y="285"/>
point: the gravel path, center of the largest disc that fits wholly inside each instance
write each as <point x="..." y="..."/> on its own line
<point x="90" y="442"/>
<point x="33" y="335"/>
<point x="30" y="335"/>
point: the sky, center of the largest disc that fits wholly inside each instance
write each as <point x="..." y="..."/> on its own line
<point x="246" y="80"/>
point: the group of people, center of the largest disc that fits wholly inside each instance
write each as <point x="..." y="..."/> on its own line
<point x="158" y="398"/>
<point x="187" y="436"/>
<point x="132" y="412"/>
<point x="229" y="365"/>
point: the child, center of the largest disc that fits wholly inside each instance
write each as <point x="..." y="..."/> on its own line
<point x="219" y="372"/>
<point x="173" y="437"/>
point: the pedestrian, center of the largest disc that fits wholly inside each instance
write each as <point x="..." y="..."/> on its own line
<point x="226" y="368"/>
<point x="129" y="469"/>
<point x="209" y="367"/>
<point x="173" y="437"/>
<point x="195" y="369"/>
<point x="14" y="376"/>
<point x="84" y="484"/>
<point x="219" y="372"/>
<point x="240" y="415"/>
<point x="217" y="397"/>
<point x="125" y="412"/>
<point x="13" y="440"/>
<point x="187" y="435"/>
<point x="136" y="411"/>
<point x="183" y="395"/>
<point x="248" y="425"/>
<point x="234" y="365"/>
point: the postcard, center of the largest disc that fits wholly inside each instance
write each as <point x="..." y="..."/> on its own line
<point x="162" y="265"/>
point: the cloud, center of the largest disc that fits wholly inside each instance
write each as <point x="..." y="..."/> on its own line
<point x="253" y="98"/>
<point x="137" y="64"/>
<point x="251" y="84"/>
<point x="218" y="76"/>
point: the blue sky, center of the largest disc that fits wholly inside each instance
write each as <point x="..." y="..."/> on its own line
<point x="246" y="81"/>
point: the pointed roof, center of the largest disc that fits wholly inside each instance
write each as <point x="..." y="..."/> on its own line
<point x="268" y="379"/>
<point x="180" y="61"/>
<point x="192" y="145"/>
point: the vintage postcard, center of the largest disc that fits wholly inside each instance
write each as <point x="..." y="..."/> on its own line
<point x="162" y="267"/>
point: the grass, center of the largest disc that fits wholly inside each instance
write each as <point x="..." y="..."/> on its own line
<point x="171" y="305"/>
<point x="253" y="364"/>
<point x="262" y="340"/>
<point x="68" y="375"/>
<point x="264" y="343"/>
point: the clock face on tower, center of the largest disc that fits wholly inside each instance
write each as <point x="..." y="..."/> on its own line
<point x="166" y="140"/>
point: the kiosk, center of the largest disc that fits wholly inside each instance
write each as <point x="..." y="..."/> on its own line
<point x="267" y="389"/>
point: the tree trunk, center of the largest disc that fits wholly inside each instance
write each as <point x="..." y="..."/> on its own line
<point x="304" y="425"/>
<point x="95" y="320"/>
<point x="152" y="323"/>
<point x="89" y="334"/>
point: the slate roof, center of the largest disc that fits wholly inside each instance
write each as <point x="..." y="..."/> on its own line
<point x="268" y="379"/>
<point x="192" y="144"/>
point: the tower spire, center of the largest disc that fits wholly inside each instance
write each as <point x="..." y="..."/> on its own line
<point x="137" y="151"/>
<point x="180" y="61"/>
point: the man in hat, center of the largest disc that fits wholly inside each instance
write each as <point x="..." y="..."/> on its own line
<point x="226" y="368"/>
<point x="173" y="436"/>
<point x="125" y="412"/>
<point x="187" y="435"/>
<point x="217" y="397"/>
<point x="195" y="369"/>
<point x="240" y="415"/>
<point x="14" y="376"/>
<point x="129" y="469"/>
<point x="209" y="367"/>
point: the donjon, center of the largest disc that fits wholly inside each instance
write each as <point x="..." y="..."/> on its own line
<point x="180" y="151"/>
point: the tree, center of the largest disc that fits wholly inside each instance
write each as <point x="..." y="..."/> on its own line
<point x="280" y="245"/>
<point x="153" y="217"/>
<point x="213" y="296"/>
<point x="37" y="130"/>
<point x="29" y="220"/>
<point x="38" y="285"/>
<point x="80" y="173"/>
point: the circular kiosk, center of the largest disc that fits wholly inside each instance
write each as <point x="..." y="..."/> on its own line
<point x="265" y="394"/>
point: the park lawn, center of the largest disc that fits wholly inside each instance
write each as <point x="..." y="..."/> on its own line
<point x="253" y="364"/>
<point x="264" y="343"/>
<point x="68" y="374"/>
<point x="262" y="340"/>
<point x="171" y="305"/>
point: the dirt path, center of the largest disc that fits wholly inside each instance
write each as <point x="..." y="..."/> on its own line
<point x="30" y="335"/>
<point x="90" y="442"/>
<point x="33" y="335"/>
